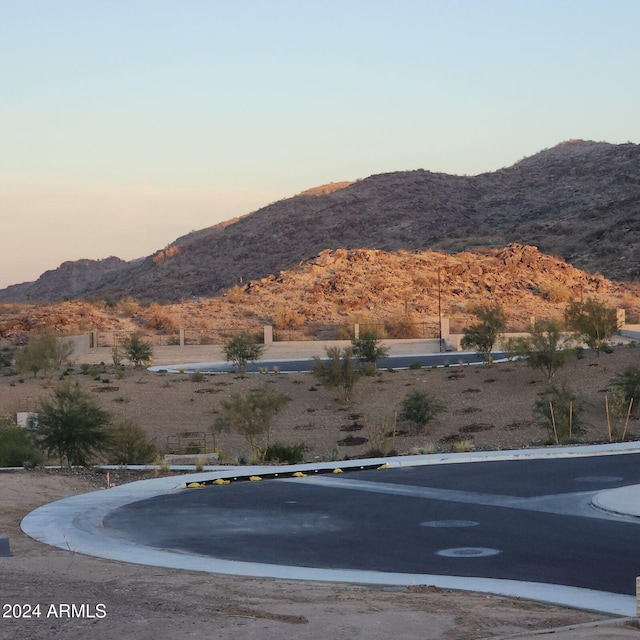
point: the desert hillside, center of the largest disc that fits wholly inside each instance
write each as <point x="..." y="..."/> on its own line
<point x="579" y="200"/>
<point x="400" y="289"/>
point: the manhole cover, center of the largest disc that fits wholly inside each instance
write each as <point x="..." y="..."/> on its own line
<point x="468" y="552"/>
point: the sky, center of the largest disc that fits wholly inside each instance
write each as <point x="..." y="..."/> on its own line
<point x="125" y="124"/>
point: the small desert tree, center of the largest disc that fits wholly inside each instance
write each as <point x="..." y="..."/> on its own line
<point x="420" y="408"/>
<point x="544" y="349"/>
<point x="139" y="352"/>
<point x="367" y="347"/>
<point x="128" y="444"/>
<point x="559" y="411"/>
<point x="72" y="425"/>
<point x="482" y="335"/>
<point x="627" y="383"/>
<point x="241" y="350"/>
<point x="592" y="321"/>
<point x="337" y="371"/>
<point x="44" y="352"/>
<point x="252" y="416"/>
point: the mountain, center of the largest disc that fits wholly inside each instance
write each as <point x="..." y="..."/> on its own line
<point x="579" y="200"/>
<point x="71" y="279"/>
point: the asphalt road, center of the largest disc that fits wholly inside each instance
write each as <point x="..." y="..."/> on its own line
<point x="527" y="520"/>
<point x="306" y="364"/>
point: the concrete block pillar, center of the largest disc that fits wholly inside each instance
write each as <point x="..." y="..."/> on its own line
<point x="268" y="334"/>
<point x="445" y="326"/>
<point x="182" y="337"/>
<point x="356" y="331"/>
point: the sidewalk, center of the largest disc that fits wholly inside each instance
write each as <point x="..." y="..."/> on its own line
<point x="168" y="355"/>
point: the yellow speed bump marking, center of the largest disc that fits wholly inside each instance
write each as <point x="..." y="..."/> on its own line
<point x="221" y="481"/>
<point x="255" y="478"/>
<point x="299" y="474"/>
<point x="384" y="466"/>
<point x="337" y="470"/>
<point x="195" y="485"/>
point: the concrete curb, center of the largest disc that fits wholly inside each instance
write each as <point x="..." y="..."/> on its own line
<point x="75" y="524"/>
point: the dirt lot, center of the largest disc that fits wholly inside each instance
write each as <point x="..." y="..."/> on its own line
<point x="490" y="408"/>
<point x="143" y="602"/>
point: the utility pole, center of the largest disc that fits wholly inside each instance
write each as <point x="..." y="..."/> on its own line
<point x="439" y="312"/>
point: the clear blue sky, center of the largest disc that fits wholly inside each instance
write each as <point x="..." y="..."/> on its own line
<point x="127" y="123"/>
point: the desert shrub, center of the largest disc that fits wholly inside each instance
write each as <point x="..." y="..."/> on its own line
<point x="618" y="410"/>
<point x="128" y="444"/>
<point x="44" y="352"/>
<point x="197" y="376"/>
<point x="338" y="372"/>
<point x="287" y="318"/>
<point x="252" y="416"/>
<point x="420" y="408"/>
<point x="285" y="453"/>
<point x="592" y="321"/>
<point x="72" y="425"/>
<point x="382" y="437"/>
<point x="628" y="382"/>
<point x="139" y="352"/>
<point x="556" y="293"/>
<point x="402" y="326"/>
<point x="558" y="410"/>
<point x="17" y="447"/>
<point x="544" y="349"/>
<point x="242" y="349"/>
<point x="156" y="317"/>
<point x="128" y="307"/>
<point x="234" y="294"/>
<point x="367" y="347"/>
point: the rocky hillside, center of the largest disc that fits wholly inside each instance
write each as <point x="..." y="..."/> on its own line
<point x="71" y="279"/>
<point x="397" y="289"/>
<point x="579" y="200"/>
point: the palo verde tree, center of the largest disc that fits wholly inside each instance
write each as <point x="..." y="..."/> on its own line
<point x="592" y="321"/>
<point x="367" y="347"/>
<point x="544" y="349"/>
<point x="337" y="371"/>
<point x="44" y="352"/>
<point x="483" y="334"/>
<point x="72" y="425"/>
<point x="241" y="350"/>
<point x="252" y="416"/>
<point x="139" y="352"/>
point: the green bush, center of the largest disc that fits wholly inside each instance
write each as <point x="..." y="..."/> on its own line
<point x="197" y="376"/>
<point x="420" y="408"/>
<point x="290" y="454"/>
<point x="17" y="447"/>
<point x="338" y="372"/>
<point x="559" y="411"/>
<point x="128" y="444"/>
<point x="628" y="381"/>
